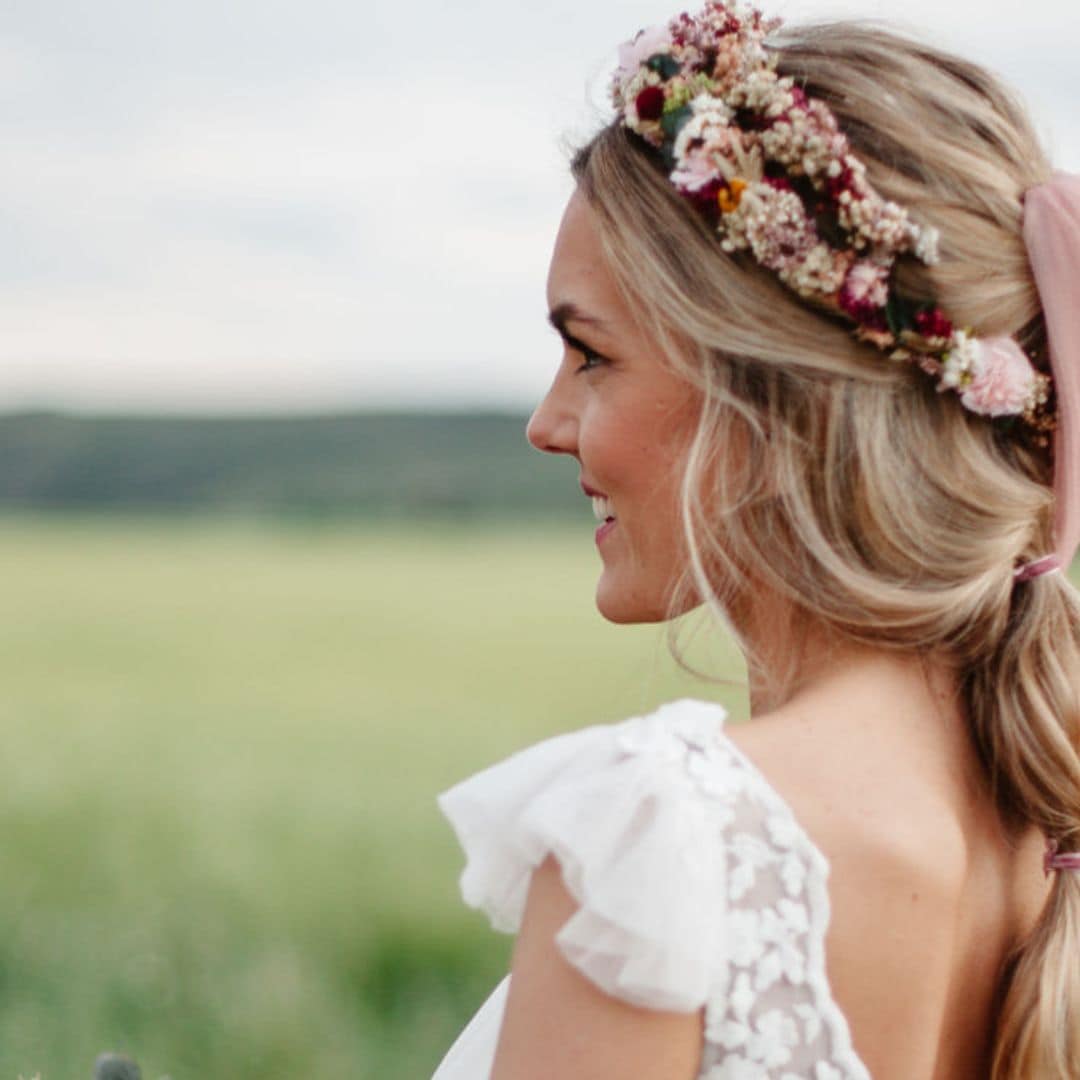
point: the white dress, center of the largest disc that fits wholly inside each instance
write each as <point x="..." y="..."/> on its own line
<point x="697" y="888"/>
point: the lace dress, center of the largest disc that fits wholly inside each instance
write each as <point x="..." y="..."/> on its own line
<point x="696" y="887"/>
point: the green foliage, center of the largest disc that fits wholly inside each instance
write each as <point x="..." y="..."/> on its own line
<point x="221" y="854"/>
<point x="900" y="314"/>
<point x="673" y="122"/>
<point x="666" y="66"/>
<point x="377" y="465"/>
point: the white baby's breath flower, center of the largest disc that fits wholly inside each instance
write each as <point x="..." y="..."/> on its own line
<point x="927" y="245"/>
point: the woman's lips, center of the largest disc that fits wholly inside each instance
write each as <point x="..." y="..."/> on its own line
<point x="602" y="508"/>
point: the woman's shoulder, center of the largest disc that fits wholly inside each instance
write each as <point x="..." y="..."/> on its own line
<point x="922" y="912"/>
<point x="894" y="840"/>
<point x="659" y="824"/>
<point x="678" y="758"/>
<point x="857" y="798"/>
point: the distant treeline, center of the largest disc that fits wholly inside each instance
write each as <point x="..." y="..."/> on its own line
<point x="372" y="465"/>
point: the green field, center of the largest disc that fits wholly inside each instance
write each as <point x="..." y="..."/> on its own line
<point x="222" y="743"/>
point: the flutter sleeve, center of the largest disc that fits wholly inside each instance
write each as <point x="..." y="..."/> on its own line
<point x="623" y="810"/>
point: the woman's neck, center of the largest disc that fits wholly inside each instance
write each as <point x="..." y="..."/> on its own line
<point x="905" y="700"/>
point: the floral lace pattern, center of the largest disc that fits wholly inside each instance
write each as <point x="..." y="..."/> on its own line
<point x="770" y="1014"/>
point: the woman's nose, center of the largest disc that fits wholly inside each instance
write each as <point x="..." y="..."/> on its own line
<point x="553" y="425"/>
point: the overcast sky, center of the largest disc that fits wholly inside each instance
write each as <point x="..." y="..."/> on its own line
<point x="252" y="205"/>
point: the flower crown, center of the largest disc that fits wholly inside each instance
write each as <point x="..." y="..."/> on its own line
<point x="772" y="170"/>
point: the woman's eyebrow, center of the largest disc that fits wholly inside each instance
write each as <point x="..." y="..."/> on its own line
<point x="563" y="313"/>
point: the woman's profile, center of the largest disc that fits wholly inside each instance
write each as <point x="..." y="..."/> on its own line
<point x="817" y="293"/>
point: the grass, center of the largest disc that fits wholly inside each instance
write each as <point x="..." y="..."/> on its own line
<point x="223" y="740"/>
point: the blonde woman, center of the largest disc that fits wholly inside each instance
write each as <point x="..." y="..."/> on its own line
<point x="818" y="297"/>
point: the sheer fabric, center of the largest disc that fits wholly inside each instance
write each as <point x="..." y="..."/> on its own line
<point x="696" y="886"/>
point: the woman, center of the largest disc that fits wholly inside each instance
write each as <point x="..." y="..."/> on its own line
<point x="760" y="284"/>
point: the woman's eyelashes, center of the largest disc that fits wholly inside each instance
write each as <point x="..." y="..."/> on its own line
<point x="590" y="359"/>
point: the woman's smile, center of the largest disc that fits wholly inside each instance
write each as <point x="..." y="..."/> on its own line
<point x="603" y="511"/>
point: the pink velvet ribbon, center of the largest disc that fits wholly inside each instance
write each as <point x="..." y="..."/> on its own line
<point x="1052" y="234"/>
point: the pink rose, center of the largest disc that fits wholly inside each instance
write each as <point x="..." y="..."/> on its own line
<point x="632" y="54"/>
<point x="1003" y="379"/>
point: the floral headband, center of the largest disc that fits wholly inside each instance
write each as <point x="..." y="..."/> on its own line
<point x="772" y="170"/>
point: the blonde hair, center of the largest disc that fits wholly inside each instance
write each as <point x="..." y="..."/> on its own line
<point x="847" y="486"/>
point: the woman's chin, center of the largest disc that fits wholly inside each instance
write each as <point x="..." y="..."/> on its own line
<point x="625" y="607"/>
<point x="619" y="602"/>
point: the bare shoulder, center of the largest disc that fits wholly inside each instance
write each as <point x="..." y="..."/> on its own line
<point x="867" y="804"/>
<point x="557" y="1023"/>
<point x="898" y="857"/>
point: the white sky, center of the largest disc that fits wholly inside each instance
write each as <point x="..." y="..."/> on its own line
<point x="261" y="205"/>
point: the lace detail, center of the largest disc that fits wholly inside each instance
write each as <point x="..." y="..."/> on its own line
<point x="746" y="936"/>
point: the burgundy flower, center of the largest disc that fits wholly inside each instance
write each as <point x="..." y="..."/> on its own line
<point x="933" y="324"/>
<point x="650" y="103"/>
<point x="780" y="183"/>
<point x="863" y="311"/>
<point x="865" y="291"/>
<point x="705" y="198"/>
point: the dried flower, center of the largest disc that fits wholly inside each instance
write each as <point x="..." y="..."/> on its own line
<point x="632" y="54"/>
<point x="650" y="103"/>
<point x="769" y="165"/>
<point x="1002" y="379"/>
<point x="865" y="290"/>
<point x="933" y="324"/>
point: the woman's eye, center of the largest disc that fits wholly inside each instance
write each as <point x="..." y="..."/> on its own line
<point x="589" y="360"/>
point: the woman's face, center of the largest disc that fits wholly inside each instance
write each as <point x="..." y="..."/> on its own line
<point x="625" y="417"/>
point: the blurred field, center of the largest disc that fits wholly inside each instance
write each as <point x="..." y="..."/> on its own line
<point x="222" y="741"/>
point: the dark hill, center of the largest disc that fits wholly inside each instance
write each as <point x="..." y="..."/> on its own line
<point x="457" y="464"/>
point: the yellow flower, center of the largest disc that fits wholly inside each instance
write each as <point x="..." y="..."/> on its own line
<point x="730" y="197"/>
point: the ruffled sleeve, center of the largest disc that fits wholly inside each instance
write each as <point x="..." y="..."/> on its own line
<point x="639" y="841"/>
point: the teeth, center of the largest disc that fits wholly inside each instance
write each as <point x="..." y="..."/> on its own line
<point x="601" y="508"/>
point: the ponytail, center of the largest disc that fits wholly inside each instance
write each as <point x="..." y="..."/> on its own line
<point x="1024" y="709"/>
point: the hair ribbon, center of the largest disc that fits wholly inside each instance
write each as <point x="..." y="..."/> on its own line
<point x="1052" y="235"/>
